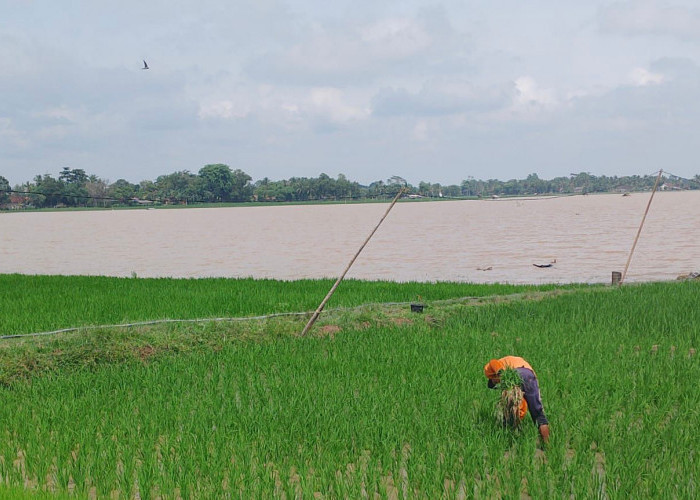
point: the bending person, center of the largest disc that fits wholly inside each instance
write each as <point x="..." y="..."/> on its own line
<point x="530" y="387"/>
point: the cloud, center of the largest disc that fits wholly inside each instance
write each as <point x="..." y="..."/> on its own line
<point x="649" y="17"/>
<point x="281" y="88"/>
<point x="335" y="54"/>
<point x="662" y="100"/>
<point x="530" y="95"/>
<point x="12" y="141"/>
<point x="420" y="131"/>
<point x="330" y="103"/>
<point x="642" y="77"/>
<point x="676" y="68"/>
<point x="323" y="109"/>
<point x="54" y="105"/>
<point x="440" y="97"/>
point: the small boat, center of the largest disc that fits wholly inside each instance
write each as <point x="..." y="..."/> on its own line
<point x="550" y="264"/>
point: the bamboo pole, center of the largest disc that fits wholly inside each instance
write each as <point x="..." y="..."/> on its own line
<point x="314" y="317"/>
<point x="639" y="231"/>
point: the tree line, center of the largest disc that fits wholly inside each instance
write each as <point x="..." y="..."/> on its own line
<point x="218" y="183"/>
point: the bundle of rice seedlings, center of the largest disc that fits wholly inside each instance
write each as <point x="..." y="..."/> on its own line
<point x="507" y="410"/>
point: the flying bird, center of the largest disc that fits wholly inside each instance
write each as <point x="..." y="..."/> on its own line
<point x="145" y="65"/>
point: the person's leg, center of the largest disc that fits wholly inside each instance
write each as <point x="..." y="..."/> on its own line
<point x="531" y="392"/>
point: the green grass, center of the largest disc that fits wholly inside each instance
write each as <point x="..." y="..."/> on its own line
<point x="387" y="402"/>
<point x="41" y="303"/>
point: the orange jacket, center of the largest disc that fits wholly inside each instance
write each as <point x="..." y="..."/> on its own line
<point x="522" y="411"/>
<point x="492" y="368"/>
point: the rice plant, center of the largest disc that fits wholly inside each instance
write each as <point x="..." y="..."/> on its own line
<point x="381" y="405"/>
<point x="41" y="303"/>
<point x="509" y="408"/>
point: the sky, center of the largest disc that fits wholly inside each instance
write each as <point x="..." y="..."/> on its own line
<point x="436" y="91"/>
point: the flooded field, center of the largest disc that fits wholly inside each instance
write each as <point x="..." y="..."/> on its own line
<point x="584" y="238"/>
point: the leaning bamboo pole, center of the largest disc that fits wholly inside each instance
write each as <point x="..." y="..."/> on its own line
<point x="639" y="231"/>
<point x="316" y="313"/>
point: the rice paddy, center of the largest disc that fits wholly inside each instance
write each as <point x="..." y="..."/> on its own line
<point x="377" y="401"/>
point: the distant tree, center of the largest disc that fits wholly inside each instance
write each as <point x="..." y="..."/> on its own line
<point x="264" y="190"/>
<point x="509" y="188"/>
<point x="424" y="188"/>
<point x="123" y="191"/>
<point x="303" y="188"/>
<point x="324" y="186"/>
<point x="396" y="180"/>
<point x="533" y="184"/>
<point x="452" y="191"/>
<point x="217" y="182"/>
<point x="470" y="187"/>
<point x="267" y="190"/>
<point x="73" y="186"/>
<point x="345" y="188"/>
<point x="148" y="191"/>
<point x="96" y="188"/>
<point x="376" y="188"/>
<point x="4" y="191"/>
<point x="46" y="191"/>
<point x="394" y="184"/>
<point x="75" y="176"/>
<point x="178" y="187"/>
<point x="74" y="195"/>
<point x="241" y="188"/>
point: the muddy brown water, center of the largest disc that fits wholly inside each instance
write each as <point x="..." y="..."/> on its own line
<point x="480" y="241"/>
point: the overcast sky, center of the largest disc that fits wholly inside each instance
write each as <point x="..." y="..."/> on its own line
<point x="435" y="91"/>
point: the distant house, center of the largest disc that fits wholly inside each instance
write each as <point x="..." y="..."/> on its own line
<point x="17" y="201"/>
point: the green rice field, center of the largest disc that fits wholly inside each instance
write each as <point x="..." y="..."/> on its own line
<point x="376" y="402"/>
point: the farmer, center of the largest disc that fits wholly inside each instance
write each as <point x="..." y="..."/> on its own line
<point x="531" y="389"/>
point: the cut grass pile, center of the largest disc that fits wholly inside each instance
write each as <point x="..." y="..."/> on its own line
<point x="376" y="401"/>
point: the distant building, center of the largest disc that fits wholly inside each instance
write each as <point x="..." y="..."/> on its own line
<point x="141" y="202"/>
<point x="17" y="201"/>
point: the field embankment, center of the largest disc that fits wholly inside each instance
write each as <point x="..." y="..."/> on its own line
<point x="376" y="400"/>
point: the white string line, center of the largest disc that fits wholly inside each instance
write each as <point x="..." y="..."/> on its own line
<point x="198" y="320"/>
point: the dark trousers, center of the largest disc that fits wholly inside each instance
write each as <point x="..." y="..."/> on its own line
<point x="531" y="391"/>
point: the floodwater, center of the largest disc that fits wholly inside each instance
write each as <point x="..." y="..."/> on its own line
<point x="485" y="241"/>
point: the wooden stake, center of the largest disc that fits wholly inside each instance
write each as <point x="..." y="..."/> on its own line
<point x="616" y="275"/>
<point x="624" y="274"/>
<point x="314" y="317"/>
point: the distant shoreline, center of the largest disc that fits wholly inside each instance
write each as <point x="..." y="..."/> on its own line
<point x="387" y="199"/>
